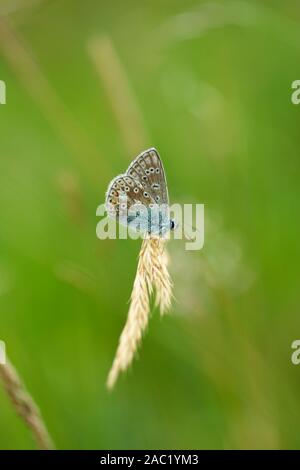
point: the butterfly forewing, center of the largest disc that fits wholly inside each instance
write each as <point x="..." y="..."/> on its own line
<point x="148" y="169"/>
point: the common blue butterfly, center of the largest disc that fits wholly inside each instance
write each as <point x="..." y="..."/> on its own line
<point x="139" y="198"/>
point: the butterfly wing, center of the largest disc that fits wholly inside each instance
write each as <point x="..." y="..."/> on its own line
<point x="124" y="191"/>
<point x="143" y="184"/>
<point x="148" y="170"/>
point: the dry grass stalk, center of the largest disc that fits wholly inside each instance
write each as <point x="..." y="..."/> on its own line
<point x="160" y="276"/>
<point x="119" y="92"/>
<point x="152" y="273"/>
<point x="25" y="406"/>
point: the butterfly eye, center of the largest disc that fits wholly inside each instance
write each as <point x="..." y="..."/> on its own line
<point x="157" y="170"/>
<point x="147" y="172"/>
<point x="145" y="178"/>
<point x="152" y="170"/>
<point x="123" y="205"/>
<point x="155" y="186"/>
<point x="157" y="198"/>
<point x="126" y="189"/>
<point x="136" y="190"/>
<point x="146" y="194"/>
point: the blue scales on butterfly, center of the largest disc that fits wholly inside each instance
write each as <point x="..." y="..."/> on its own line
<point x="139" y="198"/>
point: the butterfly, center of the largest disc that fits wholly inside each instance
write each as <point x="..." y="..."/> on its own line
<point x="139" y="198"/>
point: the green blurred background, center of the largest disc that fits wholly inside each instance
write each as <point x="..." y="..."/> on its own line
<point x="90" y="85"/>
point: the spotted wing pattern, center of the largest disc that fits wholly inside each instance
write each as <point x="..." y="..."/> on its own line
<point x="125" y="191"/>
<point x="144" y="182"/>
<point x="148" y="169"/>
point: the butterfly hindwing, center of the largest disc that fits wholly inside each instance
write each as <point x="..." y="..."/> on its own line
<point x="125" y="191"/>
